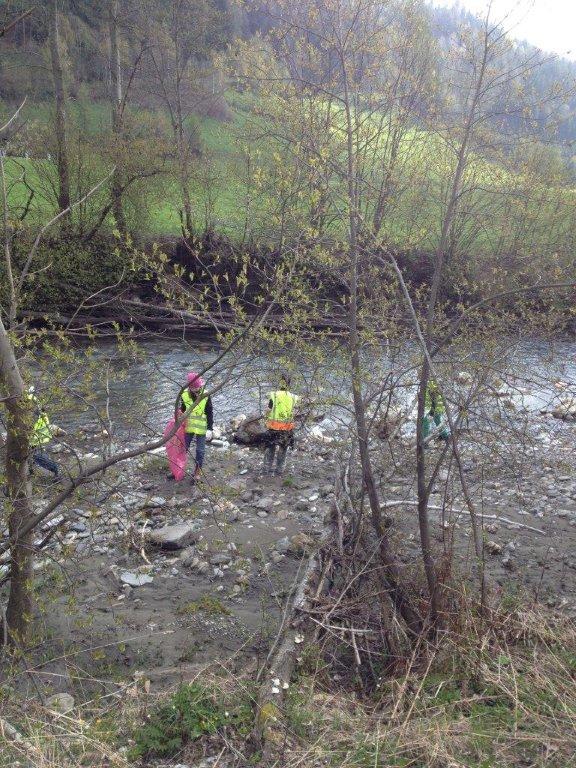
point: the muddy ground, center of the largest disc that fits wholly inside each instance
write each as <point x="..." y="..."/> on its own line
<point x="218" y="598"/>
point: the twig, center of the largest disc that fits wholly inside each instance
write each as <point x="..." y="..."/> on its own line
<point x="16" y="21"/>
<point x="336" y="628"/>
<point x="437" y="508"/>
<point x="357" y="658"/>
<point x="14" y="116"/>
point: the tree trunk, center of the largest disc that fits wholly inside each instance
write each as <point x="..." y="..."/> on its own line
<point x="439" y="262"/>
<point x="184" y="177"/>
<point x="60" y="100"/>
<point x="116" y="106"/>
<point x="392" y="573"/>
<point x="18" y="423"/>
<point x="423" y="495"/>
<point x="180" y="66"/>
<point x="184" y="166"/>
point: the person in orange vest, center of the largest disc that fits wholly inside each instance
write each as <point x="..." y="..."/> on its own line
<point x="280" y="424"/>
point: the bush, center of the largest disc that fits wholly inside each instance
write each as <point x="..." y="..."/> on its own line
<point x="192" y="712"/>
<point x="67" y="271"/>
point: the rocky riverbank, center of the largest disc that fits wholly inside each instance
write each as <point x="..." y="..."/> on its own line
<point x="144" y="577"/>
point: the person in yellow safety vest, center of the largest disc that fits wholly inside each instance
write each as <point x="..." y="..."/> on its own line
<point x="42" y="432"/>
<point x="280" y="423"/>
<point x="200" y="421"/>
<point x="434" y="410"/>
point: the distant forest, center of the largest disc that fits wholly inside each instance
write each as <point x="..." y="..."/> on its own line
<point x="25" y="65"/>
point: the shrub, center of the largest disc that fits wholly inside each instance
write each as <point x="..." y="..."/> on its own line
<point x="192" y="712"/>
<point x="66" y="271"/>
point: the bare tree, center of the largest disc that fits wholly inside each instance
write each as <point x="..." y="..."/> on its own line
<point x="117" y="108"/>
<point x="60" y="107"/>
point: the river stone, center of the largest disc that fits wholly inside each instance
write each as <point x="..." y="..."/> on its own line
<point x="155" y="502"/>
<point x="283" y="545"/>
<point x="187" y="556"/>
<point x="266" y="503"/>
<point x="227" y="510"/>
<point x="173" y="536"/>
<point x="135" y="579"/>
<point x="252" y="431"/>
<point x="301" y="543"/>
<point x="566" y="410"/>
<point x="199" y="566"/>
<point x="60" y="702"/>
<point x="220" y="558"/>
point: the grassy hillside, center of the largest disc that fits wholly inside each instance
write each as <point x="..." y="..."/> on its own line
<point x="241" y="170"/>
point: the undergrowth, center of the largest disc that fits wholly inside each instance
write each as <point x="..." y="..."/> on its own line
<point x="486" y="696"/>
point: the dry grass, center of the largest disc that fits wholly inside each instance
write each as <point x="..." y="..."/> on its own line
<point x="499" y="695"/>
<point x="503" y="695"/>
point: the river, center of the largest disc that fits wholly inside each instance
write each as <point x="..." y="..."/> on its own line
<point x="137" y="392"/>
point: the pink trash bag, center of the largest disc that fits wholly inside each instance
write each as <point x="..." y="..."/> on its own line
<point x="176" y="450"/>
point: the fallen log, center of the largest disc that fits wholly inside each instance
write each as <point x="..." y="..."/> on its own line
<point x="269" y="732"/>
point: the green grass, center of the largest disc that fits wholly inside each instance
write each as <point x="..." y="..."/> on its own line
<point x="207" y="604"/>
<point x="239" y="177"/>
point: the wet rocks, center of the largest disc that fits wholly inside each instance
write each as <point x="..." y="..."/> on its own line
<point x="135" y="579"/>
<point x="251" y="431"/>
<point x="173" y="537"/>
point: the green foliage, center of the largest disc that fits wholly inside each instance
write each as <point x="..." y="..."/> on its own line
<point x="66" y="271"/>
<point x="207" y="604"/>
<point x="192" y="712"/>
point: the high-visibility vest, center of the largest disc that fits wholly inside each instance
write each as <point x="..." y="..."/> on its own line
<point x="42" y="430"/>
<point x="433" y="399"/>
<point x="281" y="415"/>
<point x="196" y="423"/>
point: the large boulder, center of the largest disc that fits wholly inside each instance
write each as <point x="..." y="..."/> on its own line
<point x="565" y="410"/>
<point x="251" y="431"/>
<point x="173" y="536"/>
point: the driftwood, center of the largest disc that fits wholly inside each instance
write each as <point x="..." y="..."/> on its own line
<point x="436" y="508"/>
<point x="269" y="732"/>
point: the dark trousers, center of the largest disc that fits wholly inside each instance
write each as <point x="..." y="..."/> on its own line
<point x="278" y="443"/>
<point x="200" y="447"/>
<point x="43" y="459"/>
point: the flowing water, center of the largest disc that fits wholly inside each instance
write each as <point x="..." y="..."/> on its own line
<point x="139" y="393"/>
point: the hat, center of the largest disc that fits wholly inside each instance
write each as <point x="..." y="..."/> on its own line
<point x="195" y="380"/>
